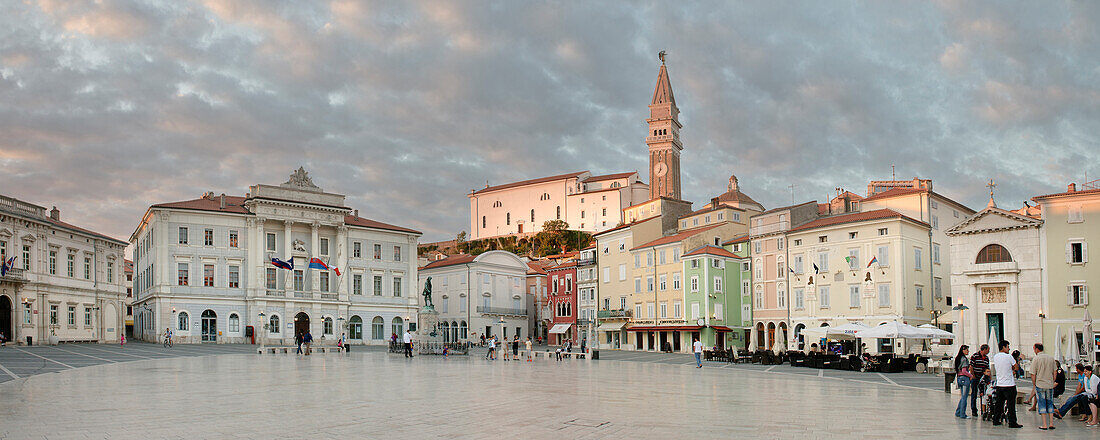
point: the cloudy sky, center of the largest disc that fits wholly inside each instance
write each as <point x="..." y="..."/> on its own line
<point x="107" y="107"/>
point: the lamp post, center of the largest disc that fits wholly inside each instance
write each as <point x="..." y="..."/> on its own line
<point x="263" y="336"/>
<point x="502" y="328"/>
<point x="1042" y="316"/>
<point x="26" y="308"/>
<point x="961" y="308"/>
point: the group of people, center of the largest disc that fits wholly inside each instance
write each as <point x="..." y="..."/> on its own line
<point x="304" y="338"/>
<point x="509" y="349"/>
<point x="990" y="384"/>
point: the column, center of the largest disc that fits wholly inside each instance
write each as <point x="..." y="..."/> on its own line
<point x="1012" y="318"/>
<point x="257" y="251"/>
<point x="342" y="261"/>
<point x="288" y="250"/>
<point x="314" y="249"/>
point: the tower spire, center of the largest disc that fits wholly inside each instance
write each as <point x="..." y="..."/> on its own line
<point x="663" y="138"/>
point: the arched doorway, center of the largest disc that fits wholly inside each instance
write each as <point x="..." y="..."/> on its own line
<point x="760" y="342"/>
<point x="209" y="326"/>
<point x="771" y="336"/>
<point x="6" y="324"/>
<point x="301" y="324"/>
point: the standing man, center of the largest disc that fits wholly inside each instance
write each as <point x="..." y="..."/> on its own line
<point x="308" y="339"/>
<point x="298" y="337"/>
<point x="1004" y="365"/>
<point x="1043" y="370"/>
<point x="697" y="347"/>
<point x="408" y="340"/>
<point x="979" y="366"/>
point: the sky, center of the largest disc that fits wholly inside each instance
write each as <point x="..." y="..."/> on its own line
<point x="107" y="107"/>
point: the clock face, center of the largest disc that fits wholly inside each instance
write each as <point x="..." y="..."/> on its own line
<point x="660" y="170"/>
<point x="701" y="321"/>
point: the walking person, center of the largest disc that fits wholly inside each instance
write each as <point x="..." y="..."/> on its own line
<point x="121" y="340"/>
<point x="308" y="340"/>
<point x="979" y="369"/>
<point x="697" y="347"/>
<point x="528" y="346"/>
<point x="298" y="341"/>
<point x="408" y="340"/>
<point x="492" y="354"/>
<point x="1043" y="375"/>
<point x="1004" y="366"/>
<point x="515" y="348"/>
<point x="963" y="376"/>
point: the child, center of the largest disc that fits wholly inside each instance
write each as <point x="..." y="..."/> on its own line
<point x="122" y="341"/>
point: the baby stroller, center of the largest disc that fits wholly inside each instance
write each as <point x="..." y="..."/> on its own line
<point x="987" y="397"/>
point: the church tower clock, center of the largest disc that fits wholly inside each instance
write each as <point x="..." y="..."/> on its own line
<point x="663" y="139"/>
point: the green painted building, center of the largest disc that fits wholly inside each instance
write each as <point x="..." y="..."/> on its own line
<point x="717" y="294"/>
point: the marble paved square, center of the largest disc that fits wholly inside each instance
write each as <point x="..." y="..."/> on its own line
<point x="144" y="391"/>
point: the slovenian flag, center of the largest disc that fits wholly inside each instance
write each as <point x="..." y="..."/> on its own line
<point x="5" y="266"/>
<point x="288" y="265"/>
<point x="316" y="263"/>
<point x="873" y="261"/>
<point x="337" y="270"/>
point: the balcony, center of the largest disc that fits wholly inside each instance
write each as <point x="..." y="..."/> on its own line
<point x="276" y="293"/>
<point x="504" y="311"/>
<point x="611" y="314"/>
<point x="14" y="275"/>
<point x="586" y="262"/>
<point x="330" y="296"/>
<point x="305" y="295"/>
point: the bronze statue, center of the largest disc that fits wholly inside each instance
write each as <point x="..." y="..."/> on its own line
<point x="428" y="293"/>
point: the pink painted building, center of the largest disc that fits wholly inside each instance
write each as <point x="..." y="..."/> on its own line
<point x="563" y="303"/>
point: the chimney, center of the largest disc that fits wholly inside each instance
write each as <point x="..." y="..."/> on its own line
<point x="1072" y="188"/>
<point x="222" y="201"/>
<point x="714" y="202"/>
<point x="55" y="214"/>
<point x="356" y="213"/>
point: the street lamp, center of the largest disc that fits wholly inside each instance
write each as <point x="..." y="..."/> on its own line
<point x="263" y="337"/>
<point x="502" y="328"/>
<point x="961" y="307"/>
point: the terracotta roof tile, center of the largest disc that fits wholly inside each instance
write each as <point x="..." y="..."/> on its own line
<point x="855" y="217"/>
<point x="352" y="220"/>
<point x="529" y="182"/>
<point x="709" y="209"/>
<point x="610" y="177"/>
<point x="449" y="261"/>
<point x="1067" y="193"/>
<point x="627" y="225"/>
<point x="82" y="230"/>
<point x="738" y="239"/>
<point x="712" y="250"/>
<point x="565" y="265"/>
<point x="233" y="204"/>
<point x="677" y="237"/>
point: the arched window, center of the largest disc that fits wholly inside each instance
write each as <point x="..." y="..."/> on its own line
<point x="377" y="328"/>
<point x="559" y="213"/>
<point x="273" y="324"/>
<point x="483" y="222"/>
<point x="355" y="328"/>
<point x="462" y="330"/>
<point x="544" y="196"/>
<point x="398" y="326"/>
<point x="446" y="329"/>
<point x="615" y="184"/>
<point x="327" y="326"/>
<point x="184" y="322"/>
<point x="454" y="331"/>
<point x="234" y="323"/>
<point x="507" y="218"/>
<point x="532" y="216"/>
<point x="993" y="253"/>
<point x="497" y="204"/>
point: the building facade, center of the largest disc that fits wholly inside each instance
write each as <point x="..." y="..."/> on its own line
<point x="1071" y="220"/>
<point x="479" y="295"/>
<point x="768" y="234"/>
<point x="563" y="303"/>
<point x="203" y="269"/>
<point x="713" y="297"/>
<point x="66" y="284"/>
<point x="997" y="274"/>
<point x="587" y="282"/>
<point x="587" y="202"/>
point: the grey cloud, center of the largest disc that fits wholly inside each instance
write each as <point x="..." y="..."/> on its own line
<point x="108" y="107"/>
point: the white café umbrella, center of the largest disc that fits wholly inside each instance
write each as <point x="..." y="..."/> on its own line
<point x="775" y="347"/>
<point x="937" y="333"/>
<point x="1058" y="345"/>
<point x="893" y="330"/>
<point x="993" y="341"/>
<point x="1090" y="339"/>
<point x="845" y="332"/>
<point x="1071" y="351"/>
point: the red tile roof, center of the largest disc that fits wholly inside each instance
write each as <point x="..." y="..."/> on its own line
<point x="449" y="261"/>
<point x="565" y="265"/>
<point x="1066" y="194"/>
<point x="352" y="220"/>
<point x="781" y="208"/>
<point x="233" y="204"/>
<point x="610" y="177"/>
<point x="738" y="239"/>
<point x="709" y="209"/>
<point x="534" y="269"/>
<point x="894" y="192"/>
<point x="677" y="237"/>
<point x="627" y="225"/>
<point x="529" y="182"/>
<point x="855" y="217"/>
<point x="712" y="250"/>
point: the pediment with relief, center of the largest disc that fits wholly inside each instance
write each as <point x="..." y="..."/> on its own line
<point x="993" y="219"/>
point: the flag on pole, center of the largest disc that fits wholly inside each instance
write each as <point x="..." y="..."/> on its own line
<point x="848" y="260"/>
<point x="288" y="264"/>
<point x="316" y="263"/>
<point x="873" y="261"/>
<point x="815" y="268"/>
<point x="5" y="266"/>
<point x="337" y="270"/>
<point x="789" y="268"/>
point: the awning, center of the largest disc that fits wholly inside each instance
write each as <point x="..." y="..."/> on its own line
<point x="560" y="328"/>
<point x="721" y="328"/>
<point x="611" y="327"/>
<point x="670" y="328"/>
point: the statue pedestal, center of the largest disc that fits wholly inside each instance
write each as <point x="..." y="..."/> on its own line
<point x="429" y="338"/>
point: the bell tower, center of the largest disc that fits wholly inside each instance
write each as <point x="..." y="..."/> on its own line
<point x="663" y="139"/>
